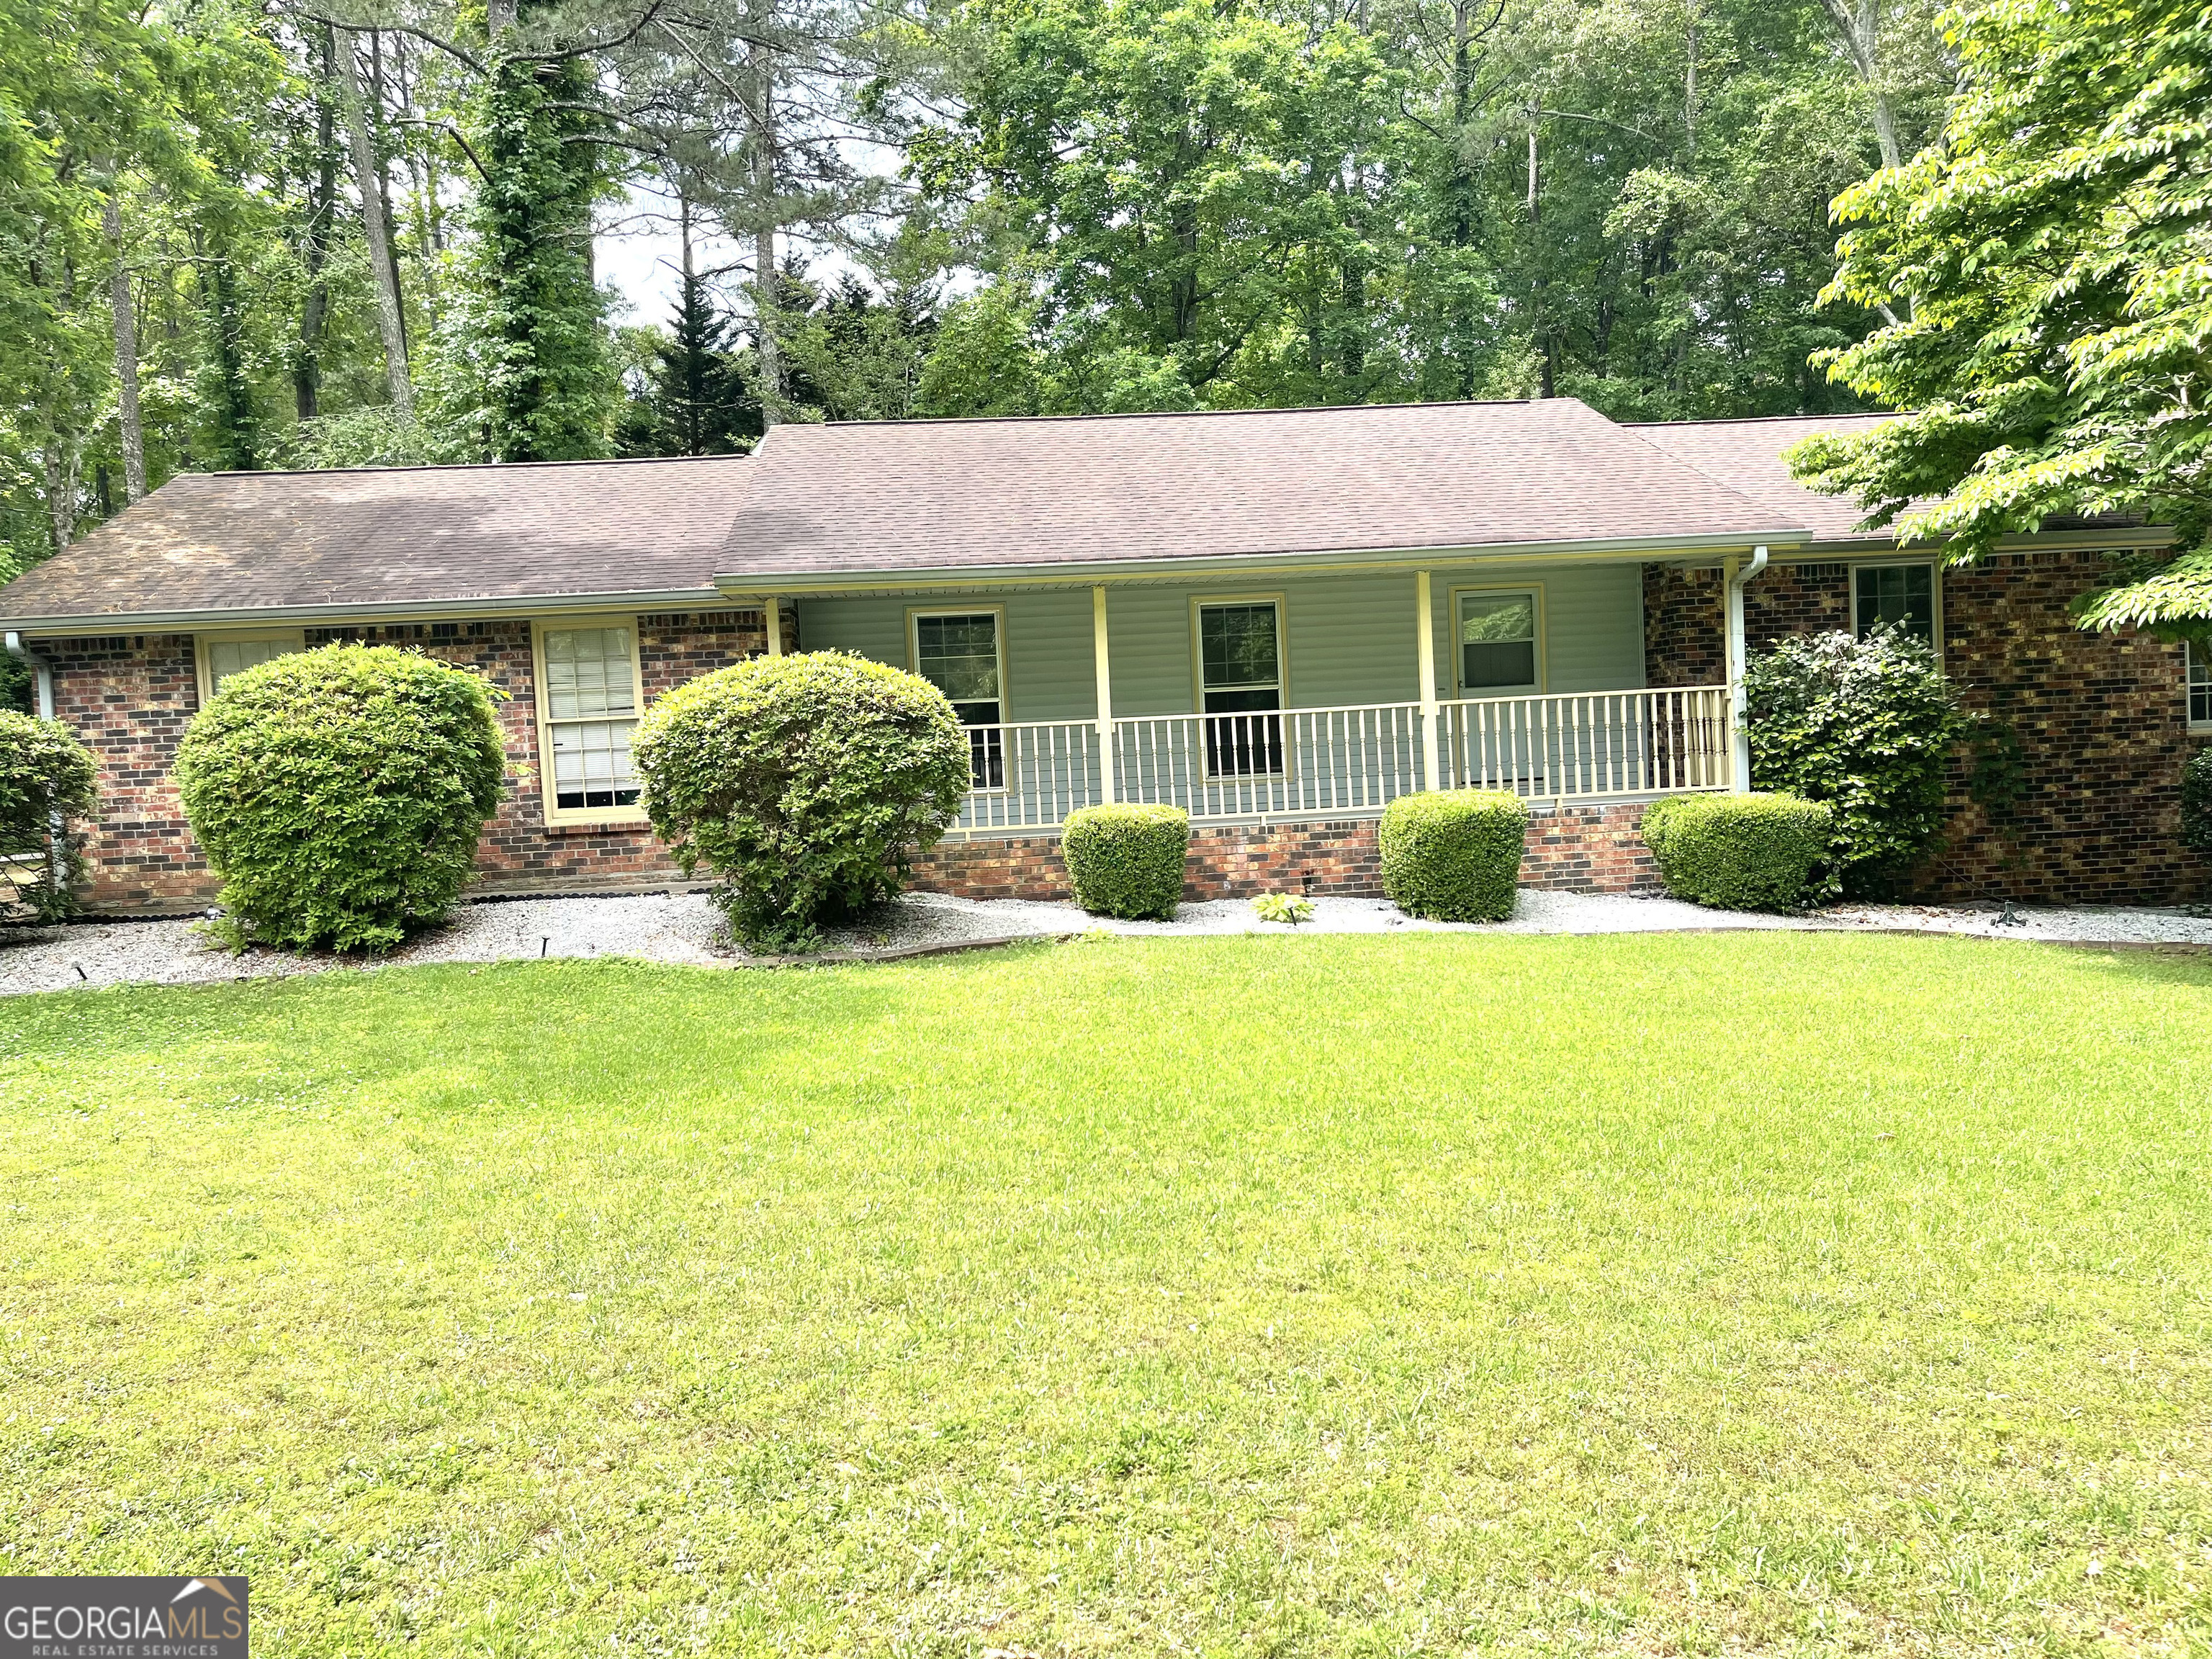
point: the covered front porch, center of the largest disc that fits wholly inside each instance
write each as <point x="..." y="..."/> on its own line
<point x="1240" y="702"/>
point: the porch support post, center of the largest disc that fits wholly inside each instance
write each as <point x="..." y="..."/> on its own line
<point x="1105" y="693"/>
<point x="1733" y="578"/>
<point x="1424" y="602"/>
<point x="772" y="617"/>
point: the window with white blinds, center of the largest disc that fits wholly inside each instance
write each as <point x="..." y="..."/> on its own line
<point x="591" y="709"/>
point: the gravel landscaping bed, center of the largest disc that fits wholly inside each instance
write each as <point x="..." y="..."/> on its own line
<point x="683" y="928"/>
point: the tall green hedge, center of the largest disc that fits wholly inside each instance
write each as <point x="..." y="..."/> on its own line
<point x="805" y="782"/>
<point x="1867" y="724"/>
<point x="1454" y="854"/>
<point x="44" y="770"/>
<point x="1739" y="852"/>
<point x="1127" y="860"/>
<point x="340" y="793"/>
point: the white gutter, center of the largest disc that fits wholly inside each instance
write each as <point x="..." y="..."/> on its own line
<point x="461" y="608"/>
<point x="1738" y="658"/>
<point x="42" y="679"/>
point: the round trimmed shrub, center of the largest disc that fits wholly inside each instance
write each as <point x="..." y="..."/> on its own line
<point x="44" y="770"/>
<point x="806" y="783"/>
<point x="340" y="794"/>
<point x="1127" y="861"/>
<point x="2196" y="802"/>
<point x="1739" y="852"/>
<point x="1454" y="854"/>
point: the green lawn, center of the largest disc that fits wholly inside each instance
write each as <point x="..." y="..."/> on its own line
<point x="1765" y="1292"/>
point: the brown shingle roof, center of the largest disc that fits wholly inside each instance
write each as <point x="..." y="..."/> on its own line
<point x="1746" y="456"/>
<point x="399" y="536"/>
<point x="947" y="494"/>
<point x="819" y="503"/>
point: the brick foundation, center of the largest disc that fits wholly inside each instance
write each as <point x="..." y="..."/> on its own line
<point x="1593" y="848"/>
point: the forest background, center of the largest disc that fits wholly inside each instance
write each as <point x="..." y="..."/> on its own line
<point x="309" y="232"/>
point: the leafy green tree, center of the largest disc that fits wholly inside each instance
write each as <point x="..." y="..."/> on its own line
<point x="2048" y="275"/>
<point x="1196" y="187"/>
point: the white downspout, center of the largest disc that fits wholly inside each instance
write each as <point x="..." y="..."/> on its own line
<point x="1738" y="657"/>
<point x="42" y="681"/>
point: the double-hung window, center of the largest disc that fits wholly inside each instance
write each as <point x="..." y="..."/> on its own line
<point x="1900" y="595"/>
<point x="1240" y="668"/>
<point x="588" y="679"/>
<point x="1498" y="642"/>
<point x="2200" y="683"/>
<point x="959" y="653"/>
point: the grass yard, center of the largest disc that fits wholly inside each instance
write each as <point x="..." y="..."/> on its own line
<point x="1783" y="1293"/>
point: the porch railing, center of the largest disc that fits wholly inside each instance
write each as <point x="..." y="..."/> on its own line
<point x="1320" y="762"/>
<point x="1585" y="743"/>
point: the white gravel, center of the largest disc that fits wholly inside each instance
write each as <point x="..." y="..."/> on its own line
<point x="683" y="928"/>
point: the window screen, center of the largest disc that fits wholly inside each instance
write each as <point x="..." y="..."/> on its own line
<point x="959" y="655"/>
<point x="1240" y="664"/>
<point x="1498" y="642"/>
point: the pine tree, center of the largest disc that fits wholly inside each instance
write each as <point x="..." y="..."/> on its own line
<point x="696" y="401"/>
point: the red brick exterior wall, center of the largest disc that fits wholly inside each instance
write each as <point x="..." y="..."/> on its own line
<point x="131" y="697"/>
<point x="2101" y="720"/>
<point x="1582" y="848"/>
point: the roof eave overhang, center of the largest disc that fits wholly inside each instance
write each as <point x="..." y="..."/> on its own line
<point x="214" y="618"/>
<point x="1323" y="562"/>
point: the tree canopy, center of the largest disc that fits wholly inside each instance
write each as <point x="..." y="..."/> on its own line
<point x="364" y="232"/>
<point x="2045" y="271"/>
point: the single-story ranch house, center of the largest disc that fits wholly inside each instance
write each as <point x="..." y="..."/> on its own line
<point x="1277" y="619"/>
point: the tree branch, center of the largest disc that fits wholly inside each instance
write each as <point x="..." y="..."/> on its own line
<point x="452" y="132"/>
<point x="446" y="46"/>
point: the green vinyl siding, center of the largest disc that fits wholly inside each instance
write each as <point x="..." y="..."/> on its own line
<point x="1347" y="640"/>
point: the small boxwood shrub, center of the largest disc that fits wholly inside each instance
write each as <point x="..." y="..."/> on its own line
<point x="1127" y="860"/>
<point x="806" y="783"/>
<point x="44" y="770"/>
<point x="1454" y="854"/>
<point x="2196" y="802"/>
<point x="340" y="793"/>
<point x="1739" y="852"/>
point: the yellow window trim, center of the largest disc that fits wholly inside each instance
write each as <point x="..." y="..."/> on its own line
<point x="1276" y="597"/>
<point x="555" y="814"/>
<point x="1459" y="658"/>
<point x="295" y="637"/>
<point x="915" y="613"/>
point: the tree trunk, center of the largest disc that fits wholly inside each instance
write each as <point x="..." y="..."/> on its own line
<point x="1690" y="92"/>
<point x="390" y="317"/>
<point x="383" y="167"/>
<point x="765" y="296"/>
<point x="60" y="457"/>
<point x="1861" y="34"/>
<point x="322" y="210"/>
<point x="1547" y="346"/>
<point x="126" y="311"/>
